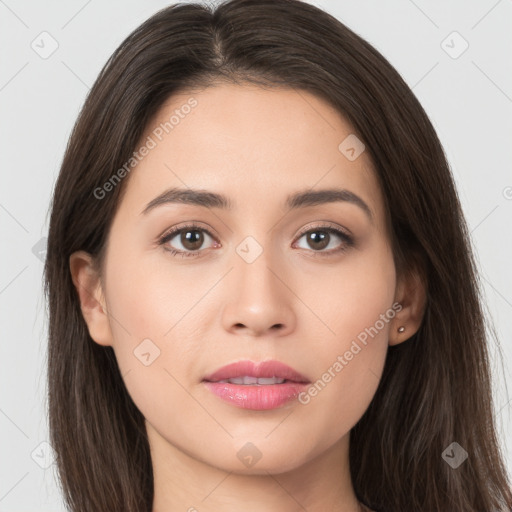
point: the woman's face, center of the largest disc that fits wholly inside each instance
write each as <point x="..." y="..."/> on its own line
<point x="266" y="279"/>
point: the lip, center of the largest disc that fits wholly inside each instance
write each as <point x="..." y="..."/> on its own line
<point x="256" y="396"/>
<point x="262" y="369"/>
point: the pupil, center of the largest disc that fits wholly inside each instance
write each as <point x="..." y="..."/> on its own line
<point x="195" y="239"/>
<point x="322" y="240"/>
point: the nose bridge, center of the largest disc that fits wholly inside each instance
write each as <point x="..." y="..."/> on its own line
<point x="255" y="268"/>
<point x="258" y="298"/>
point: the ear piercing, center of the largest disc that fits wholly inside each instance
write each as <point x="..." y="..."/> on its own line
<point x="401" y="329"/>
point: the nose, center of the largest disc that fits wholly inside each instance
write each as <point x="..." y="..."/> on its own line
<point x="259" y="298"/>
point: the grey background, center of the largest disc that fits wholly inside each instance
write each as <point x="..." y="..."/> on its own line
<point x="468" y="98"/>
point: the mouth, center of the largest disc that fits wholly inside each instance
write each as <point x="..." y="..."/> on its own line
<point x="257" y="386"/>
<point x="250" y="373"/>
<point x="248" y="380"/>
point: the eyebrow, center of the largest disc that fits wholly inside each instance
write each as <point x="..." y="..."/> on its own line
<point x="301" y="199"/>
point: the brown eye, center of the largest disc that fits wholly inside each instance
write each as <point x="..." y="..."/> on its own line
<point x="318" y="239"/>
<point x="192" y="239"/>
<point x="188" y="239"/>
<point x="322" y="237"/>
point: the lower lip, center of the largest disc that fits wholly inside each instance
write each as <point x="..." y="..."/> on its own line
<point x="258" y="398"/>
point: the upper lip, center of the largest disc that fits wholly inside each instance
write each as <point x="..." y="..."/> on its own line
<point x="256" y="369"/>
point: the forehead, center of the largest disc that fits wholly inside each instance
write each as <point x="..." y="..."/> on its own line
<point x="255" y="145"/>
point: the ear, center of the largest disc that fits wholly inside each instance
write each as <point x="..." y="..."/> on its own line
<point x="411" y="293"/>
<point x="92" y="300"/>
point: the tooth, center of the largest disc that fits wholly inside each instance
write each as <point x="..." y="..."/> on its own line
<point x="236" y="380"/>
<point x="249" y="380"/>
<point x="269" y="380"/>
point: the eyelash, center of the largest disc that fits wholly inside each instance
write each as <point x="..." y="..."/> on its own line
<point x="347" y="239"/>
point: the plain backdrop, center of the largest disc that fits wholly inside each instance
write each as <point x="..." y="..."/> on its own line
<point x="456" y="56"/>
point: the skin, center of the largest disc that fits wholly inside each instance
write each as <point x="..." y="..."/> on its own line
<point x="256" y="146"/>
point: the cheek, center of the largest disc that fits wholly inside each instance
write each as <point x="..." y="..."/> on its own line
<point x="355" y="306"/>
<point x="152" y="313"/>
<point x="149" y="308"/>
<point x="350" y="296"/>
<point x="347" y="375"/>
<point x="150" y="296"/>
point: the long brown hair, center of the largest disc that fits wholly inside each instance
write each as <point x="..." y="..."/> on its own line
<point x="436" y="386"/>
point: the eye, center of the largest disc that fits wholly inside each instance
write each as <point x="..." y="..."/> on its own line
<point x="321" y="237"/>
<point x="191" y="237"/>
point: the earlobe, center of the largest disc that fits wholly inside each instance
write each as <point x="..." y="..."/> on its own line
<point x="92" y="300"/>
<point x="412" y="296"/>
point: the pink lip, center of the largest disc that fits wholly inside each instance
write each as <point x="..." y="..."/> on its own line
<point x="262" y="369"/>
<point x="256" y="397"/>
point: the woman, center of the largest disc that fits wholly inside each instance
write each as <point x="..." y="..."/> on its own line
<point x="261" y="289"/>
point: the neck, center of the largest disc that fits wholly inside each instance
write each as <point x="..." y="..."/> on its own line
<point x="184" y="483"/>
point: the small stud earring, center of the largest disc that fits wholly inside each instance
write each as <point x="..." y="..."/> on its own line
<point x="401" y="329"/>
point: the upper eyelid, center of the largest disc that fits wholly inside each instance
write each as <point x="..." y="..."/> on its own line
<point x="326" y="225"/>
<point x="194" y="225"/>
